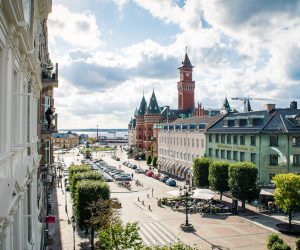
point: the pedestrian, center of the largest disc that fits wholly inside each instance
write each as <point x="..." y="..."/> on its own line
<point x="152" y="192"/>
<point x="49" y="113"/>
<point x="132" y="175"/>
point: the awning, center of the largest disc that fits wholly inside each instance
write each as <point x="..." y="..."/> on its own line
<point x="172" y="165"/>
<point x="178" y="168"/>
<point x="158" y="161"/>
<point x="203" y="194"/>
<point x="182" y="170"/>
<point x="187" y="169"/>
<point x="267" y="191"/>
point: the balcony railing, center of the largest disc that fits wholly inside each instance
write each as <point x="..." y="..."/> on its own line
<point x="53" y="127"/>
<point x="50" y="76"/>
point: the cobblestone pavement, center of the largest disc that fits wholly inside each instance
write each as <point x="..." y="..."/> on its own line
<point x="161" y="225"/>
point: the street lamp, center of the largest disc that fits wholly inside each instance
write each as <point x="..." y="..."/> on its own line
<point x="186" y="192"/>
<point x="73" y="225"/>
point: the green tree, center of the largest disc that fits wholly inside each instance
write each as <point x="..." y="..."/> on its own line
<point x="243" y="181"/>
<point x="200" y="172"/>
<point x="77" y="169"/>
<point x="297" y="244"/>
<point x="287" y="195"/>
<point x="119" y="237"/>
<point x="88" y="191"/>
<point x="175" y="246"/>
<point x="154" y="162"/>
<point x="86" y="175"/>
<point x="218" y="176"/>
<point x="149" y="159"/>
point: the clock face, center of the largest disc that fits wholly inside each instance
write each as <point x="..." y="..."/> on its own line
<point x="187" y="74"/>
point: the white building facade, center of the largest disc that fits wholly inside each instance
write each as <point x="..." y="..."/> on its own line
<point x="20" y="86"/>
<point x="180" y="142"/>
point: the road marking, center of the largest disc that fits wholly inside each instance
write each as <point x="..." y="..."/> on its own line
<point x="153" y="234"/>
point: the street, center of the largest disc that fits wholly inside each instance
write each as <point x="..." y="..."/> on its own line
<point x="161" y="225"/>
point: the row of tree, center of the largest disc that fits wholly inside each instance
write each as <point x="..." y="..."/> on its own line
<point x="240" y="178"/>
<point x="93" y="209"/>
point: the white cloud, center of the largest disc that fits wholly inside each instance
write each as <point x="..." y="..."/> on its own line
<point x="78" y="30"/>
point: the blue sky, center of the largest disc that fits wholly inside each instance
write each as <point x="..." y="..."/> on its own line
<point x="110" y="51"/>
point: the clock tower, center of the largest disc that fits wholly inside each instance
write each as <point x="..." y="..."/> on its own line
<point x="186" y="86"/>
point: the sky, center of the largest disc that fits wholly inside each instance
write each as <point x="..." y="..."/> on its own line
<point x="110" y="52"/>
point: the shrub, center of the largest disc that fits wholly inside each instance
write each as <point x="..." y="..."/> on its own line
<point x="77" y="169"/>
<point x="280" y="246"/>
<point x="154" y="161"/>
<point x="272" y="239"/>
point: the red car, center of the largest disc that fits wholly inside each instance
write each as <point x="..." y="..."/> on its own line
<point x="150" y="173"/>
<point x="156" y="176"/>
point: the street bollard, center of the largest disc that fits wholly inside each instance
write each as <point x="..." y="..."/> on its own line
<point x="149" y="208"/>
<point x="138" y="198"/>
<point x="143" y="203"/>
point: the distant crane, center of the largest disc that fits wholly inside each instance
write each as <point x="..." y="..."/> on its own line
<point x="246" y="100"/>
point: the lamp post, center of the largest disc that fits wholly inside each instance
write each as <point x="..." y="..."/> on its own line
<point x="73" y="225"/>
<point x="186" y="192"/>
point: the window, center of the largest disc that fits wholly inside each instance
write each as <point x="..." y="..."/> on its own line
<point x="242" y="140"/>
<point x="230" y="123"/>
<point x="253" y="140"/>
<point x="184" y="141"/>
<point x="217" y="138"/>
<point x="202" y="143"/>
<point x="242" y="156"/>
<point x="253" y="157"/>
<point x="243" y="122"/>
<point x="296" y="160"/>
<point x="193" y="143"/>
<point x="188" y="142"/>
<point x="274" y="140"/>
<point x="229" y="154"/>
<point x="228" y="139"/>
<point x="222" y="153"/>
<point x="197" y="143"/>
<point x="210" y="137"/>
<point x="210" y="152"/>
<point x="180" y="141"/>
<point x="274" y="160"/>
<point x="235" y="139"/>
<point x="296" y="141"/>
<point x="217" y="153"/>
<point x="222" y="138"/>
<point x="47" y="152"/>
<point x="235" y="155"/>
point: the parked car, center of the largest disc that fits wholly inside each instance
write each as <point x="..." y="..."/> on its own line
<point x="139" y="171"/>
<point x="164" y="178"/>
<point x="171" y="182"/>
<point x="134" y="166"/>
<point x="156" y="176"/>
<point x="149" y="173"/>
<point x="107" y="178"/>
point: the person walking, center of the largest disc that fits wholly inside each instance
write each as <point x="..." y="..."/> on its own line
<point x="132" y="176"/>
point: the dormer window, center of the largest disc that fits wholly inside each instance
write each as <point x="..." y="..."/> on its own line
<point x="243" y="122"/>
<point x="236" y="123"/>
<point x="250" y="122"/>
<point x="225" y="123"/>
<point x="230" y="123"/>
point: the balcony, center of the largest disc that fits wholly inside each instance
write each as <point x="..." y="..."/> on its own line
<point x="50" y="76"/>
<point x="53" y="127"/>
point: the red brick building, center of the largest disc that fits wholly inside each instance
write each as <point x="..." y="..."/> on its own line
<point x="146" y="116"/>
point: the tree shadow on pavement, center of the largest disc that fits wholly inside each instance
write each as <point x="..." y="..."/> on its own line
<point x="213" y="246"/>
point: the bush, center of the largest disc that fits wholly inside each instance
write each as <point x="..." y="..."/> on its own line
<point x="77" y="169"/>
<point x="280" y="246"/>
<point x="297" y="247"/>
<point x="272" y="239"/>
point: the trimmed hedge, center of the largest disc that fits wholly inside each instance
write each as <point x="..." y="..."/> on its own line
<point x="218" y="176"/>
<point x="88" y="191"/>
<point x="86" y="175"/>
<point x="200" y="172"/>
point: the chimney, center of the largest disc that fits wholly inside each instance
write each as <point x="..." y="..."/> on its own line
<point x="270" y="107"/>
<point x="293" y="105"/>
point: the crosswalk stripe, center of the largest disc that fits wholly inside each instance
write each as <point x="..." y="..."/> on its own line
<point x="156" y="238"/>
<point x="154" y="234"/>
<point x="161" y="233"/>
<point x="165" y="231"/>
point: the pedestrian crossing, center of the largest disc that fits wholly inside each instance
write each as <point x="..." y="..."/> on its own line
<point x="154" y="233"/>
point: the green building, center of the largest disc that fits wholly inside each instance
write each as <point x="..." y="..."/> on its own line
<point x="268" y="138"/>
